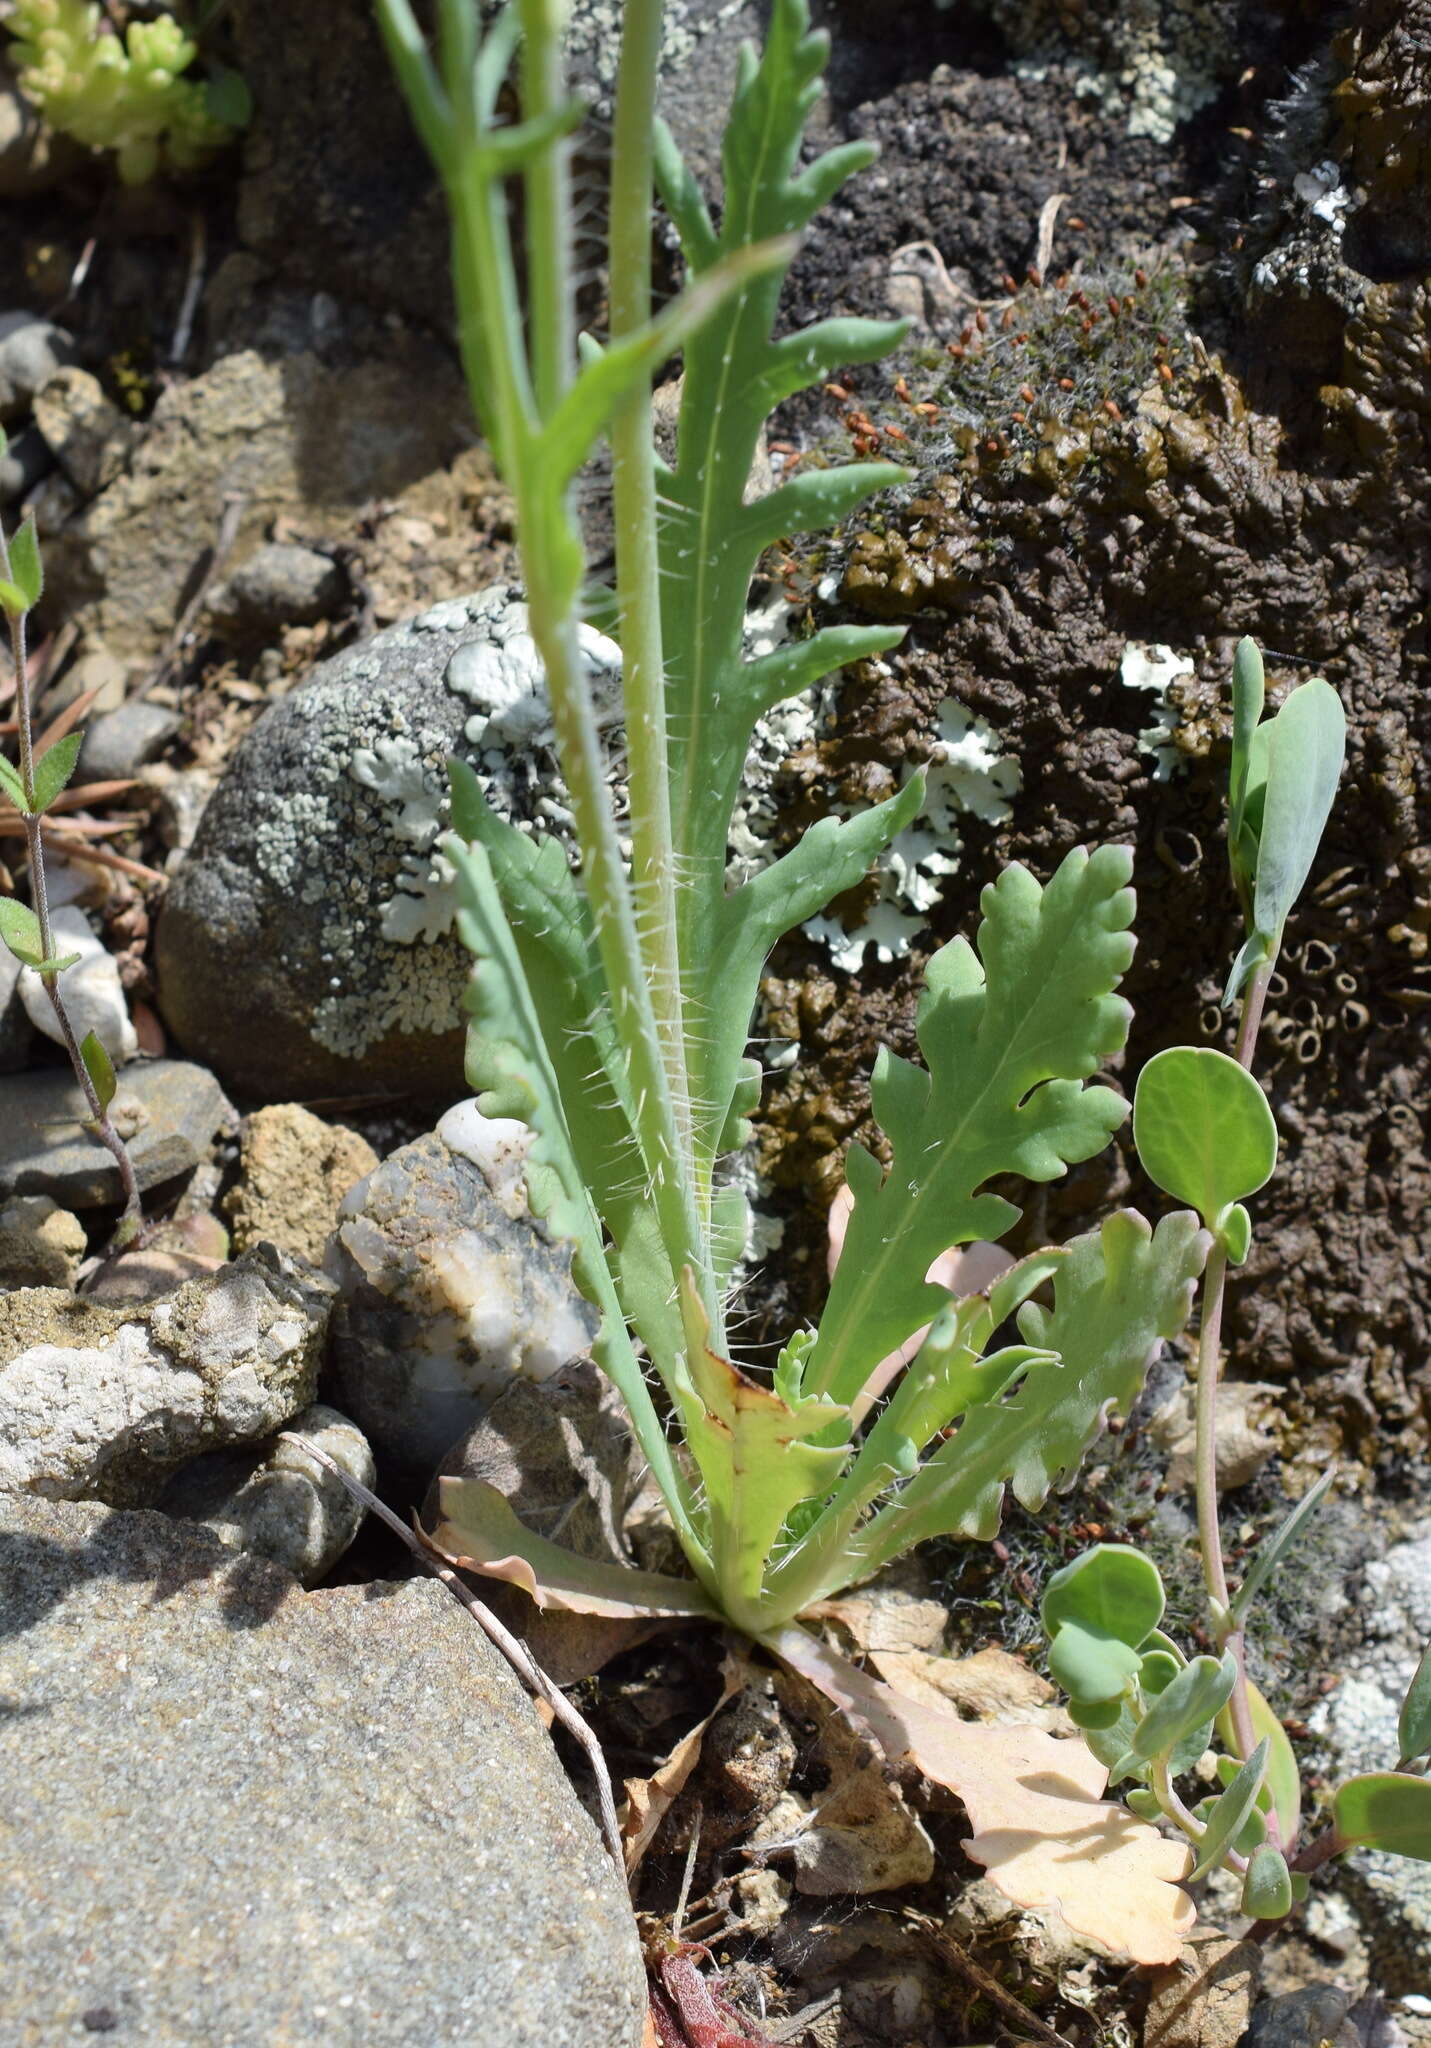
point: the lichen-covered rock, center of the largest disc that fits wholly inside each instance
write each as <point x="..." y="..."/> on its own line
<point x="1356" y="1726"/>
<point x="448" y="1289"/>
<point x="276" y="1500"/>
<point x="326" y="114"/>
<point x="103" y="1403"/>
<point x="167" y="1111"/>
<point x="41" y="1244"/>
<point x="306" y="946"/>
<point x="294" y="1171"/>
<point x="246" y="1814"/>
<point x="1154" y="61"/>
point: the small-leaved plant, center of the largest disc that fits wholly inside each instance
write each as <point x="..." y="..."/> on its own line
<point x="29" y="788"/>
<point x="1206" y="1134"/>
<point x="124" y="93"/>
<point x="611" y="999"/>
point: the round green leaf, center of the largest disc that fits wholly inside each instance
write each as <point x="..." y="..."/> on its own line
<point x="1234" y="1230"/>
<point x="1267" y="1887"/>
<point x="1203" y="1128"/>
<point x="1095" y="1714"/>
<point x="1091" y="1667"/>
<point x="1112" y="1590"/>
<point x="1387" y="1810"/>
<point x="1157" y="1671"/>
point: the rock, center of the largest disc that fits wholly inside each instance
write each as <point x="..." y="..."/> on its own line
<point x="1356" y="1726"/>
<point x="40" y="1245"/>
<point x="445" y="1297"/>
<point x="306" y="945"/>
<point x="1314" y="2017"/>
<point x="32" y="349"/>
<point x="103" y="1403"/>
<point x="95" y="669"/>
<point x="258" y="432"/>
<point x="166" y="1110"/>
<point x="294" y="1171"/>
<point x="26" y="459"/>
<point x="121" y="742"/>
<point x="1204" y="2000"/>
<point x="253" y="1814"/>
<point x="91" y="990"/>
<point x="145" y="1275"/>
<point x="278" y="1502"/>
<point x="281" y="585"/>
<point x="85" y="431"/>
<point x="561" y="1454"/>
<point x="308" y="201"/>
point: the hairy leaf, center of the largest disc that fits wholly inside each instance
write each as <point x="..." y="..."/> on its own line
<point x="54" y="768"/>
<point x="757" y="1456"/>
<point x="99" y="1067"/>
<point x="1010" y="1035"/>
<point x="1117" y="1294"/>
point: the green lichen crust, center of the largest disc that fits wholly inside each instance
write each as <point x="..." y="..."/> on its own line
<point x="306" y="946"/>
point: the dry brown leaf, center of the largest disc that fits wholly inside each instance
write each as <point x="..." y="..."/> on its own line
<point x="649" y="1800"/>
<point x="884" y="1617"/>
<point x="991" y="1685"/>
<point x="1041" y="1829"/>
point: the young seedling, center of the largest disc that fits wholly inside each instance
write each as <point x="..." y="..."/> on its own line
<point x="25" y="929"/>
<point x="611" y="1002"/>
<point x="1206" y="1135"/>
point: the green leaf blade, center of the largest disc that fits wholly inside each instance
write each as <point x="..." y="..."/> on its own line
<point x="54" y="768"/>
<point x="1204" y="1130"/>
<point x="1010" y="1035"/>
<point x="1231" y="1810"/>
<point x="1386" y="1810"/>
<point x="1306" y="751"/>
<point x="99" y="1067"/>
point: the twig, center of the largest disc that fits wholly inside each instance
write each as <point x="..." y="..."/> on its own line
<point x="692" y="1852"/>
<point x="193" y="285"/>
<point x="950" y="1952"/>
<point x="515" y="1652"/>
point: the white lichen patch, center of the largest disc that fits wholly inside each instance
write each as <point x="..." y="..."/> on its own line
<point x="966" y="776"/>
<point x="1155" y="668"/>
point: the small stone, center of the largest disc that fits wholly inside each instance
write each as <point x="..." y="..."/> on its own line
<point x="445" y="1299"/>
<point x="123" y="741"/>
<point x="103" y="1403"/>
<point x="294" y="1172"/>
<point x="84" y="429"/>
<point x="281" y="584"/>
<point x="40" y="1245"/>
<point x="26" y="459"/>
<point x="170" y="1111"/>
<point x="145" y="1275"/>
<point x="249" y="1814"/>
<point x="277" y="1501"/>
<point x="93" y="669"/>
<point x="1204" y="2000"/>
<point x="1314" y="2017"/>
<point x="32" y="349"/>
<point x="91" y="990"/>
